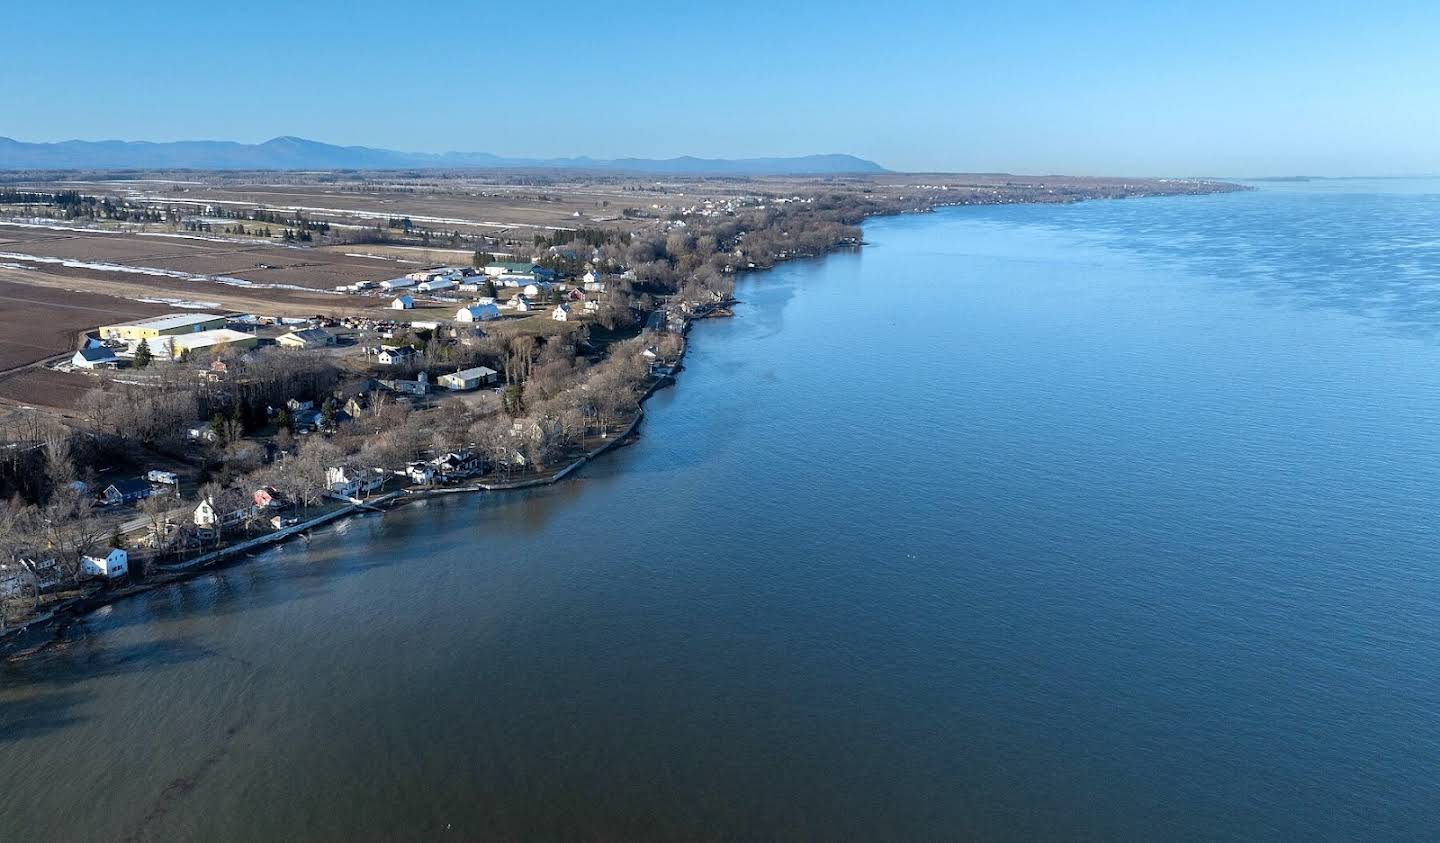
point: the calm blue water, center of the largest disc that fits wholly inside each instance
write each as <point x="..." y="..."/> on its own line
<point x="1106" y="521"/>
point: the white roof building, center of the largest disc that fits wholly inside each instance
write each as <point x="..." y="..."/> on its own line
<point x="477" y="313"/>
<point x="468" y="379"/>
<point x="94" y="358"/>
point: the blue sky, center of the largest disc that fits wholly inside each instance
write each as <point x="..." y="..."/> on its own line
<point x="1125" y="88"/>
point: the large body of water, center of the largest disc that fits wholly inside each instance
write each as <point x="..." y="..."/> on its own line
<point x="1116" y="520"/>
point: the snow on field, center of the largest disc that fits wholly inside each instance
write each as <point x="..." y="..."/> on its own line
<point x="249" y="240"/>
<point x="46" y="223"/>
<point x="185" y="303"/>
<point x="154" y="271"/>
<point x="344" y="212"/>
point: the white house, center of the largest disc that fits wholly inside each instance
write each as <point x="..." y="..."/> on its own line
<point x="420" y="472"/>
<point x="561" y="313"/>
<point x="350" y="483"/>
<point x="207" y="517"/>
<point x="111" y="566"/>
<point x="521" y="304"/>
<point x="402" y="303"/>
<point x="98" y="357"/>
<point x="396" y="356"/>
<point x="593" y="281"/>
<point x="468" y="379"/>
<point x="477" y="313"/>
<point x="14" y="580"/>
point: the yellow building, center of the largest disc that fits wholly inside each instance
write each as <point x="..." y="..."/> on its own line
<point x="172" y="325"/>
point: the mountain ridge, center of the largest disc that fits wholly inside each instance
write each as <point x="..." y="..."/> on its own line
<point x="288" y="152"/>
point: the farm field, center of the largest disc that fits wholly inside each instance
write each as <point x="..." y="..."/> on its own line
<point x="40" y="322"/>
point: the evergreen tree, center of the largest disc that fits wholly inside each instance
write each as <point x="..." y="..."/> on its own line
<point x="143" y="355"/>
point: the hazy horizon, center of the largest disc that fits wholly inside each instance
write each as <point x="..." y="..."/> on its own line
<point x="1120" y="88"/>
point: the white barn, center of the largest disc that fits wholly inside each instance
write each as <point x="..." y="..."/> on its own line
<point x="477" y="313"/>
<point x="402" y="303"/>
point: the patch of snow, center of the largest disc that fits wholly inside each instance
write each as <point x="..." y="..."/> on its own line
<point x="186" y="303"/>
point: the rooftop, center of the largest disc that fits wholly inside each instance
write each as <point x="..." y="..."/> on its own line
<point x="172" y="320"/>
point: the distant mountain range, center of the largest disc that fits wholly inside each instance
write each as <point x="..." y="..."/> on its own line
<point x="290" y="153"/>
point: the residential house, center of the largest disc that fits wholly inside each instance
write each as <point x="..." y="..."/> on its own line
<point x="266" y="497"/>
<point x="98" y="357"/>
<point x="521" y="304"/>
<point x="420" y="472"/>
<point x="402" y="303"/>
<point x="127" y="491"/>
<point x="112" y="566"/>
<point x="561" y="313"/>
<point x="356" y="406"/>
<point x="307" y="420"/>
<point x="477" y="313"/>
<point x="468" y="379"/>
<point x="295" y="405"/>
<point x="396" y="356"/>
<point x="15" y="580"/>
<point x="419" y="386"/>
<point x="593" y="281"/>
<point x="456" y="462"/>
<point x="207" y="516"/>
<point x="352" y="483"/>
<point x="592" y="306"/>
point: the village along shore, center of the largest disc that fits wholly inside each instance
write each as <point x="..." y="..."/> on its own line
<point x="702" y="295"/>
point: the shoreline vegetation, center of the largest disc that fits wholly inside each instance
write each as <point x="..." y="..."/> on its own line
<point x="568" y="394"/>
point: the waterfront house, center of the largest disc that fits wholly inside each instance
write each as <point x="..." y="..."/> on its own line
<point x="208" y="517"/>
<point x="456" y="462"/>
<point x="112" y="566"/>
<point x="420" y="472"/>
<point x="266" y="497"/>
<point x="127" y="491"/>
<point x="15" y="580"/>
<point x="352" y="483"/>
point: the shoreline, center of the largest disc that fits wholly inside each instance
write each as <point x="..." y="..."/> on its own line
<point x="56" y="619"/>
